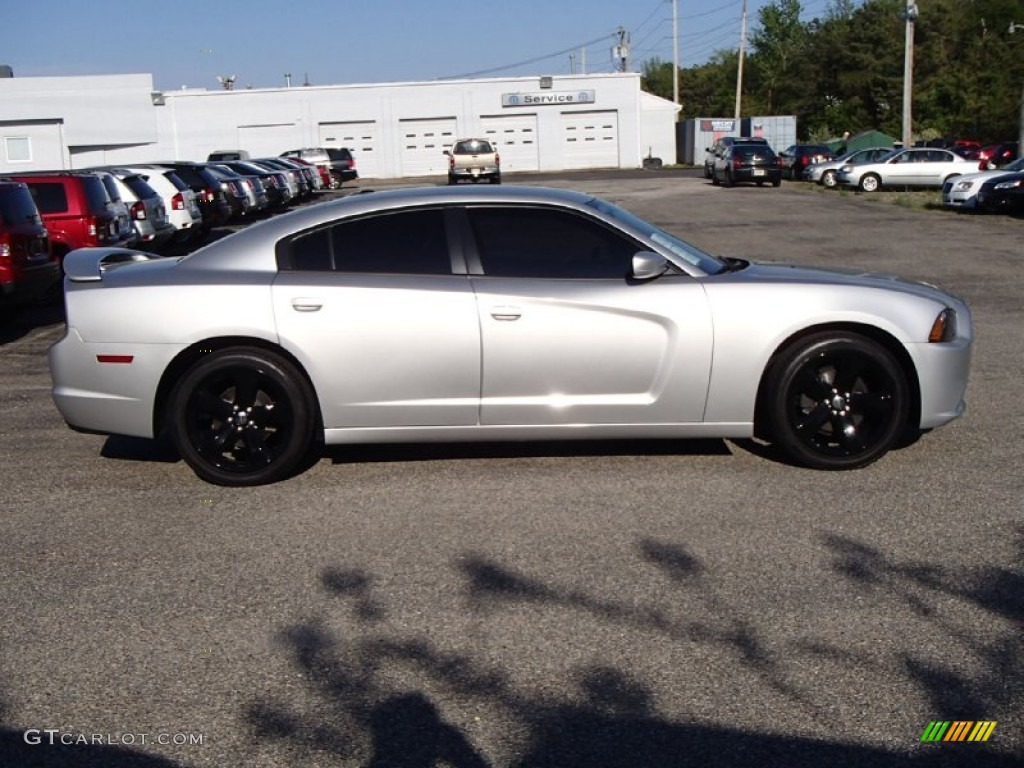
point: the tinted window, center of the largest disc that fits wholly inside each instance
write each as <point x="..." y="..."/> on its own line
<point x="96" y="195"/>
<point x="173" y="177"/>
<point x="405" y="242"/>
<point x="538" y="242"/>
<point x="50" y="197"/>
<point x="138" y="185"/>
<point x="190" y="177"/>
<point x="16" y="206"/>
<point x="111" y="186"/>
<point x="338" y="154"/>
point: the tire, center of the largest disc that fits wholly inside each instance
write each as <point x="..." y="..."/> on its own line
<point x="707" y="172"/>
<point x="777" y="183"/>
<point x="728" y="178"/>
<point x="870" y="182"/>
<point x="243" y="416"/>
<point x="496" y="179"/>
<point x="828" y="179"/>
<point x="452" y="180"/>
<point x="714" y="178"/>
<point x="760" y="183"/>
<point x="837" y="401"/>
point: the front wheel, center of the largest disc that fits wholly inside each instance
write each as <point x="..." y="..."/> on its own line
<point x="869" y="182"/>
<point x="243" y="416"/>
<point x="837" y="401"/>
<point x="828" y="179"/>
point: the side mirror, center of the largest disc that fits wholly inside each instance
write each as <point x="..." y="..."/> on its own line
<point x="446" y="152"/>
<point x="648" y="265"/>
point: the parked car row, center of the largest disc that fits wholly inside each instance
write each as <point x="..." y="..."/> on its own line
<point x="162" y="208"/>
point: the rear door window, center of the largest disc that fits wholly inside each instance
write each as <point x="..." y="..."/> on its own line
<point x="50" y="197"/>
<point x="402" y="242"/>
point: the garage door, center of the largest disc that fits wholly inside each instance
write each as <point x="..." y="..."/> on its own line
<point x="590" y="139"/>
<point x="424" y="143"/>
<point x="358" y="136"/>
<point x="516" y="139"/>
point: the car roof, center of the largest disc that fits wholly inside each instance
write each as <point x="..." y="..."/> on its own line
<point x="253" y="247"/>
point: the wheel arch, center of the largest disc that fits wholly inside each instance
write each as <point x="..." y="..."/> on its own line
<point x="192" y="354"/>
<point x="887" y="340"/>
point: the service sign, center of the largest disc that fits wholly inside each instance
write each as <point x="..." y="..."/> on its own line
<point x="542" y="98"/>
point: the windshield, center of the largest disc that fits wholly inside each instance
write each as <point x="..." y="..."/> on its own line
<point x="680" y="248"/>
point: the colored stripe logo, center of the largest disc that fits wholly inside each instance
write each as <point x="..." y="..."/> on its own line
<point x="958" y="730"/>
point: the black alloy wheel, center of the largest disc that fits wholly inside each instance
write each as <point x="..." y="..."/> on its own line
<point x="837" y="401"/>
<point x="243" y="416"/>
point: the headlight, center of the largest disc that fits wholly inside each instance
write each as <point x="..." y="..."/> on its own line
<point x="963" y="186"/>
<point x="846" y="169"/>
<point x="1009" y="184"/>
<point x="944" y="327"/>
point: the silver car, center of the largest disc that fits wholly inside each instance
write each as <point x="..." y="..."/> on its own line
<point x="446" y="314"/>
<point x="962" y="192"/>
<point x="825" y="173"/>
<point x="915" y="167"/>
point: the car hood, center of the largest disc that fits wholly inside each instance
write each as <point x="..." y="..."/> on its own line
<point x="980" y="176"/>
<point x="764" y="272"/>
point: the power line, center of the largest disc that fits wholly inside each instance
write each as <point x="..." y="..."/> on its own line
<point x="534" y="60"/>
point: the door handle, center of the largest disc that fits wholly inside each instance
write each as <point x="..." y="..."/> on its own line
<point x="506" y="313"/>
<point x="306" y="305"/>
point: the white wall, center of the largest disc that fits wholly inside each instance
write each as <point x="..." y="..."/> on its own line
<point x="115" y="119"/>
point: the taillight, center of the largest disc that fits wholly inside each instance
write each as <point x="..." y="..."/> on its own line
<point x="178" y="202"/>
<point x="92" y="229"/>
<point x="5" y="246"/>
<point x="138" y="211"/>
<point x="451" y="162"/>
<point x="497" y="159"/>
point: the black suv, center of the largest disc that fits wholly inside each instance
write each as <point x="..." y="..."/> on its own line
<point x="721" y="146"/>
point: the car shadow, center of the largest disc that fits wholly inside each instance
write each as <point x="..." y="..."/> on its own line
<point x="355" y="454"/>
<point x="125" y="448"/>
<point x="27" y="319"/>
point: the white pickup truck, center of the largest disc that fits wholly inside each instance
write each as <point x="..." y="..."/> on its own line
<point x="473" y="159"/>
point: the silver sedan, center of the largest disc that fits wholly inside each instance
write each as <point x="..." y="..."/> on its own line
<point x="915" y="167"/>
<point x="447" y="314"/>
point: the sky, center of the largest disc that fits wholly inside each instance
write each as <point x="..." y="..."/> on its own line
<point x="184" y="43"/>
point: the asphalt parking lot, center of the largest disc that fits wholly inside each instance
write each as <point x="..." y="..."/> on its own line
<point x="574" y="606"/>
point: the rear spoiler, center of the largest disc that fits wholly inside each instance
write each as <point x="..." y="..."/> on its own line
<point x="87" y="265"/>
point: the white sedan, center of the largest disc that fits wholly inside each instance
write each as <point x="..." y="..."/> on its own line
<point x="962" y="192"/>
<point x="914" y="167"/>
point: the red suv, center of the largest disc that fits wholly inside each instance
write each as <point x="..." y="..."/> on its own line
<point x="77" y="210"/>
<point x="27" y="268"/>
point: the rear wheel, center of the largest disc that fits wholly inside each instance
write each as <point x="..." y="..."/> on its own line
<point x="837" y="401"/>
<point x="728" y="178"/>
<point x="243" y="416"/>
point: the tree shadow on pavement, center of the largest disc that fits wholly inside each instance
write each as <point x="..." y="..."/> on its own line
<point x="391" y="699"/>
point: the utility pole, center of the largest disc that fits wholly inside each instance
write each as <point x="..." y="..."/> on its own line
<point x="675" y="50"/>
<point x="583" y="60"/>
<point x="1020" y="130"/>
<point x="739" y="68"/>
<point x="572" y="63"/>
<point x="620" y="52"/>
<point x="910" y="15"/>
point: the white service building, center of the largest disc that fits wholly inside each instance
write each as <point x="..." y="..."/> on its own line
<point x="395" y="129"/>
